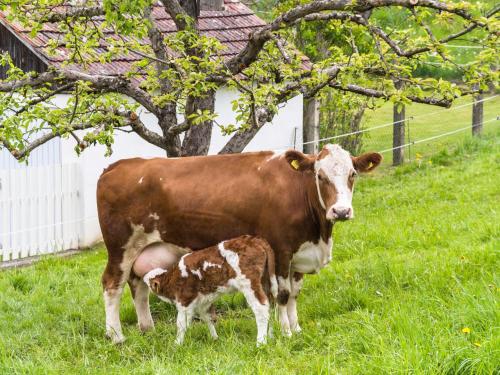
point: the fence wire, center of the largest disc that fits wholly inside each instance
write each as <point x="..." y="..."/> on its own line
<point x="425" y="133"/>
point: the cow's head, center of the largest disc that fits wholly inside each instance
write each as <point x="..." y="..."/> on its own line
<point x="334" y="171"/>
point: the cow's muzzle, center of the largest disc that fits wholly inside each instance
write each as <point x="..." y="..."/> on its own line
<point x="340" y="213"/>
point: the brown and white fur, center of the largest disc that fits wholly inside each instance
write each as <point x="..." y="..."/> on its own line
<point x="244" y="264"/>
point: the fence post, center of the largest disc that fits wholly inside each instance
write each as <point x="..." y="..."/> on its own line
<point x="477" y="115"/>
<point x="310" y="119"/>
<point x="398" y="130"/>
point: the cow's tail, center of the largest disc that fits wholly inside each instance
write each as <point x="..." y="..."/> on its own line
<point x="271" y="269"/>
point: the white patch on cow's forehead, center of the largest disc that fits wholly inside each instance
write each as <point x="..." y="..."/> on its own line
<point x="337" y="163"/>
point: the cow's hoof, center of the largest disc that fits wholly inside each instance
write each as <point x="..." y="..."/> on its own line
<point x="261" y="343"/>
<point x="287" y="332"/>
<point x="296" y="329"/>
<point x="145" y="327"/>
<point x="115" y="338"/>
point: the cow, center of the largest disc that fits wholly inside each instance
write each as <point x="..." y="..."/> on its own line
<point x="290" y="199"/>
<point x="244" y="264"/>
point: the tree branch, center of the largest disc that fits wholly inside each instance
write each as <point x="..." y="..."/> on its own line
<point x="43" y="98"/>
<point x="35" y="80"/>
<point x="240" y="139"/>
<point x="72" y="12"/>
<point x="380" y="94"/>
<point x="140" y="129"/>
<point x="106" y="83"/>
<point x="360" y="20"/>
<point x="131" y="119"/>
<point x="258" y="38"/>
<point x="179" y="16"/>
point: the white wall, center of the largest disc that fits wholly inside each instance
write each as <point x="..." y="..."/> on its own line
<point x="277" y="135"/>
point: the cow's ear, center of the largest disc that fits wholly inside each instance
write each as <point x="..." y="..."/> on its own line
<point x="366" y="162"/>
<point x="299" y="161"/>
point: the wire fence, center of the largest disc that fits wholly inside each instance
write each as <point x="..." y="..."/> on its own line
<point x="426" y="132"/>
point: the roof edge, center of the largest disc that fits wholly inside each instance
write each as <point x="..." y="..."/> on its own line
<point x="24" y="42"/>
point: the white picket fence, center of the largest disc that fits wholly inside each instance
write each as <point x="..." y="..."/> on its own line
<point x="40" y="210"/>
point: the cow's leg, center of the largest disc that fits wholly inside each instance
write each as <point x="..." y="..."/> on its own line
<point x="113" y="281"/>
<point x="184" y="318"/>
<point x="296" y="281"/>
<point x="140" y="294"/>
<point x="121" y="258"/>
<point x="283" y="295"/>
<point x="207" y="318"/>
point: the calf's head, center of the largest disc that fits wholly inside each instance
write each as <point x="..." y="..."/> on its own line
<point x="334" y="172"/>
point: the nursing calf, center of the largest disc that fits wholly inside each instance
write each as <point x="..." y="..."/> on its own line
<point x="244" y="264"/>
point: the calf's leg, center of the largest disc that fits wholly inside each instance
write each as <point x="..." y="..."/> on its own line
<point x="140" y="294"/>
<point x="258" y="302"/>
<point x="207" y="318"/>
<point x="184" y="318"/>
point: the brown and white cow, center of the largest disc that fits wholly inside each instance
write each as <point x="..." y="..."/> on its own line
<point x="244" y="264"/>
<point x="291" y="199"/>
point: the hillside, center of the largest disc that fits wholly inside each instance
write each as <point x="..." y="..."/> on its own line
<point x="412" y="288"/>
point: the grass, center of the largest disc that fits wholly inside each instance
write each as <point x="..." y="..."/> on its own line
<point x="428" y="121"/>
<point x="418" y="265"/>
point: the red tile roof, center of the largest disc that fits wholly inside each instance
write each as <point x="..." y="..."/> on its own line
<point x="231" y="27"/>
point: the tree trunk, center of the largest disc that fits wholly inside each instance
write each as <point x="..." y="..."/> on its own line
<point x="212" y="4"/>
<point x="310" y="124"/>
<point x="197" y="138"/>
<point x="398" y="135"/>
<point x="477" y="115"/>
<point x="192" y="7"/>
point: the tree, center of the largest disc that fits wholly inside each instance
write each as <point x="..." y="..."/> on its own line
<point x="180" y="72"/>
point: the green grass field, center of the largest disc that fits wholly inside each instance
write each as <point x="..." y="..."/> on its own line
<point x="428" y="121"/>
<point x="413" y="288"/>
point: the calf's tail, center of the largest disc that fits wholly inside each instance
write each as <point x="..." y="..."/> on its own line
<point x="271" y="269"/>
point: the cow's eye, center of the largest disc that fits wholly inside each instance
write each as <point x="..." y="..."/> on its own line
<point x="353" y="174"/>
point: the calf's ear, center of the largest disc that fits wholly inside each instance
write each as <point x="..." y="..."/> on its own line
<point x="366" y="162"/>
<point x="154" y="284"/>
<point x="299" y="161"/>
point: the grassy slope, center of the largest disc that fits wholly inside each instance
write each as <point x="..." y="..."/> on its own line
<point x="428" y="121"/>
<point x="414" y="268"/>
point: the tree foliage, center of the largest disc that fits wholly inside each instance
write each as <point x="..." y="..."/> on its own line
<point x="178" y="73"/>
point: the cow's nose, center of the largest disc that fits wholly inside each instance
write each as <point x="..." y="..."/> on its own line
<point x="342" y="213"/>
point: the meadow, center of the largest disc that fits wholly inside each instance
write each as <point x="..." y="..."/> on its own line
<point x="412" y="289"/>
<point x="425" y="121"/>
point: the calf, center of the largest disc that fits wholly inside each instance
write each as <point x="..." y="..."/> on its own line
<point x="244" y="264"/>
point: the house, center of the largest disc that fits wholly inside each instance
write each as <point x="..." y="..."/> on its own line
<point x="49" y="205"/>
